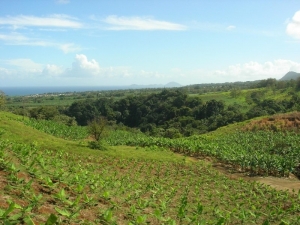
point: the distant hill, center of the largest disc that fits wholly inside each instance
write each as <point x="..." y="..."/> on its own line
<point x="291" y="76"/>
<point x="172" y="84"/>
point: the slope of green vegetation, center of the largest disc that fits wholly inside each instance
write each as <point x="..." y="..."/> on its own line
<point x="46" y="179"/>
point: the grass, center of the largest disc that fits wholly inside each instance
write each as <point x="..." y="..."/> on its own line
<point x="14" y="130"/>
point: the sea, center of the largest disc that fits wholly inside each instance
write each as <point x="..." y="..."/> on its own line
<point x="22" y="91"/>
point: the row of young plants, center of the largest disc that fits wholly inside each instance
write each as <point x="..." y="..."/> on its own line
<point x="58" y="129"/>
<point x="82" y="189"/>
<point x="259" y="153"/>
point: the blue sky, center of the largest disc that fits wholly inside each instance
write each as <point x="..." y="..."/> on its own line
<point x="110" y="43"/>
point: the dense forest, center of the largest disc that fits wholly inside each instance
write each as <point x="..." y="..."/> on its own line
<point x="179" y="111"/>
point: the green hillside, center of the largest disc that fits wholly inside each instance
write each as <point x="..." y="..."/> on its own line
<point x="138" y="180"/>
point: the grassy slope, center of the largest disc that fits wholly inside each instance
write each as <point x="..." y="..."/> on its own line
<point x="241" y="99"/>
<point x="15" y="130"/>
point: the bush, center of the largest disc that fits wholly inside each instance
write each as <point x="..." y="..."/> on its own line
<point x="99" y="145"/>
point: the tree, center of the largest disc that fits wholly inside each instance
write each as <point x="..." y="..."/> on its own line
<point x="214" y="107"/>
<point x="298" y="84"/>
<point x="2" y="99"/>
<point x="96" y="127"/>
<point x="83" y="111"/>
<point x="44" y="112"/>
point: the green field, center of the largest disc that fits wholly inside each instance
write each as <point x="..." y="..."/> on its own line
<point x="46" y="179"/>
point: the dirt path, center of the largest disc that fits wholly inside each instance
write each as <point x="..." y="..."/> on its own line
<point x="285" y="184"/>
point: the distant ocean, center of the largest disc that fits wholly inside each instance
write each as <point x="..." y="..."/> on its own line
<point x="20" y="91"/>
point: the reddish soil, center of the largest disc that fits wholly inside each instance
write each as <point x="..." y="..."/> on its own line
<point x="278" y="122"/>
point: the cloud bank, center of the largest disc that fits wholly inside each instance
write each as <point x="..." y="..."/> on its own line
<point x="257" y="71"/>
<point x="84" y="71"/>
<point x="293" y="26"/>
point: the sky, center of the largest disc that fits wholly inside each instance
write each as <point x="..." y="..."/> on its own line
<point x="117" y="42"/>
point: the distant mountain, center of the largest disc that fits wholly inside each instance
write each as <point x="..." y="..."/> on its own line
<point x="291" y="76"/>
<point x="168" y="85"/>
<point x="172" y="84"/>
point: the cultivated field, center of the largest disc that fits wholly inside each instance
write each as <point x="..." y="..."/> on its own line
<point x="138" y="180"/>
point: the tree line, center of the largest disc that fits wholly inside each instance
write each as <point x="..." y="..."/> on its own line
<point x="172" y="113"/>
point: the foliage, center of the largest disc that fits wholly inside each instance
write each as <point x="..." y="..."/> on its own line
<point x="297" y="86"/>
<point x="96" y="127"/>
<point x="98" y="145"/>
<point x="44" y="112"/>
<point x="58" y="129"/>
<point x="64" y="119"/>
<point x="83" y="111"/>
<point x="258" y="153"/>
<point x="2" y="99"/>
<point x="170" y="111"/>
<point x="234" y="93"/>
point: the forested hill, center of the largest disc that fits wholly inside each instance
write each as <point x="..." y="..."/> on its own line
<point x="172" y="113"/>
<point x="175" y="113"/>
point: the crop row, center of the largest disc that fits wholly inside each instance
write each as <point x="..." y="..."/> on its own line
<point x="259" y="153"/>
<point x="58" y="129"/>
<point x="83" y="189"/>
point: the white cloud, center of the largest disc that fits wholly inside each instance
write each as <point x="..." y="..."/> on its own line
<point x="82" y="67"/>
<point x="52" y="70"/>
<point x="26" y="65"/>
<point x="13" y="37"/>
<point x="257" y="71"/>
<point x="293" y="26"/>
<point x="4" y="72"/>
<point x="88" y="72"/>
<point x="18" y="39"/>
<point x="231" y="27"/>
<point x="69" y="47"/>
<point x="57" y="20"/>
<point x="140" y="23"/>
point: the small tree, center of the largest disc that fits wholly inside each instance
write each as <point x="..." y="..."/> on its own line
<point x="96" y="127"/>
<point x="2" y="99"/>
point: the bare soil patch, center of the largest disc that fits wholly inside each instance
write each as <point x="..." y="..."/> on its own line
<point x="290" y="184"/>
<point x="278" y="122"/>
